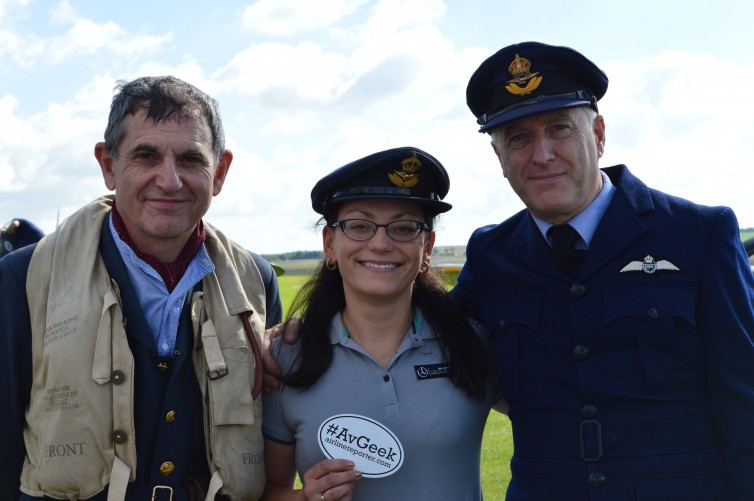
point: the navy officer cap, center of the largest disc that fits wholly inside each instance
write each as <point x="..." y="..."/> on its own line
<point x="530" y="78"/>
<point x="404" y="173"/>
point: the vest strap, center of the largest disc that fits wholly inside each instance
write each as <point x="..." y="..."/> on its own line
<point x="215" y="484"/>
<point x="216" y="367"/>
<point x="118" y="480"/>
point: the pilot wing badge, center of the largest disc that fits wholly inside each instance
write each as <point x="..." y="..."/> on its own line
<point x="649" y="266"/>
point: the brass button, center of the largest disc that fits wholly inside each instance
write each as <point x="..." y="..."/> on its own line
<point x="170" y="417"/>
<point x="162" y="366"/>
<point x="119" y="436"/>
<point x="167" y="468"/>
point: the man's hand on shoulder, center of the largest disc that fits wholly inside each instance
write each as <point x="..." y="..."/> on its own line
<point x="289" y="331"/>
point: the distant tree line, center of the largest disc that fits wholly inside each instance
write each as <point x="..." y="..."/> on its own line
<point x="290" y="256"/>
<point x="446" y="251"/>
<point x="441" y="250"/>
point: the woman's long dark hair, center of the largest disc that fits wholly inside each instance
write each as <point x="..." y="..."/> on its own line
<point x="322" y="297"/>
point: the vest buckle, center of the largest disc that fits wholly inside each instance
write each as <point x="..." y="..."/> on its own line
<point x="162" y="487"/>
<point x="217" y="374"/>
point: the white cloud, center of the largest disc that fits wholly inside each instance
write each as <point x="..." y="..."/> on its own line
<point x="393" y="16"/>
<point x="10" y="6"/>
<point x="303" y="72"/>
<point x="680" y="121"/>
<point x="289" y="17"/>
<point x="82" y="37"/>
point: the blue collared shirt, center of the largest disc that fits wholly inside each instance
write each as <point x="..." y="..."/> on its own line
<point x="586" y="221"/>
<point x="162" y="309"/>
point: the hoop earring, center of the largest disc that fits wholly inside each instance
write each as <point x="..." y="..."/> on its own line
<point x="331" y="266"/>
<point x="424" y="267"/>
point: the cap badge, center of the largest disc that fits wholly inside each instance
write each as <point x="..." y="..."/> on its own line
<point x="523" y="81"/>
<point x="407" y="176"/>
<point x="649" y="266"/>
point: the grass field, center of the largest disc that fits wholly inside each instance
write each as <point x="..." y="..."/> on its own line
<point x="498" y="442"/>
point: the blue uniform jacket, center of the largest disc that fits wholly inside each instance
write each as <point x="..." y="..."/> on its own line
<point x="157" y="390"/>
<point x="623" y="385"/>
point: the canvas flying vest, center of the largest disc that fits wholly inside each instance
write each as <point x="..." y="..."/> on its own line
<point x="83" y="370"/>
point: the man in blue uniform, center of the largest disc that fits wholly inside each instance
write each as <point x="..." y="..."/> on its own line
<point x="621" y="317"/>
<point x="128" y="337"/>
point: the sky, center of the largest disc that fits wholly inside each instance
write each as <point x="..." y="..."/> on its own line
<point x="306" y="86"/>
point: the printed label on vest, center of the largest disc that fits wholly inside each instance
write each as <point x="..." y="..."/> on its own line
<point x="373" y="448"/>
<point x="253" y="458"/>
<point x="59" y="330"/>
<point x="64" y="450"/>
<point x="61" y="398"/>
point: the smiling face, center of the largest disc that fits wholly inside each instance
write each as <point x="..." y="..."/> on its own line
<point x="551" y="160"/>
<point x="379" y="268"/>
<point x="164" y="176"/>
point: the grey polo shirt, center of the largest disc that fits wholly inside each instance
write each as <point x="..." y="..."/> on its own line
<point x="416" y="434"/>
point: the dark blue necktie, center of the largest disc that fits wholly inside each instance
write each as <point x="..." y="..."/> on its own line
<point x="567" y="257"/>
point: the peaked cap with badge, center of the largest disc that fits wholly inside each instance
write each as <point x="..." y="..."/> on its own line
<point x="404" y="173"/>
<point x="530" y="78"/>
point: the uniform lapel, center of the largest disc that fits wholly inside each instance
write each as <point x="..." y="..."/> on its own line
<point x="621" y="226"/>
<point x="532" y="250"/>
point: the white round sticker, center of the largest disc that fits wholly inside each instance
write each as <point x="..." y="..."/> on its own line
<point x="373" y="448"/>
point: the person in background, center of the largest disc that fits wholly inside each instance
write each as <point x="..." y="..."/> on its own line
<point x="18" y="233"/>
<point x="387" y="391"/>
<point x="128" y="337"/>
<point x="622" y="318"/>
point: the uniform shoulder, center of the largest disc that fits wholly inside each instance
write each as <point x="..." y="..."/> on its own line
<point x="497" y="236"/>
<point x="16" y="263"/>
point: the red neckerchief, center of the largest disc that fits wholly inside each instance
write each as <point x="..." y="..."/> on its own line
<point x="171" y="273"/>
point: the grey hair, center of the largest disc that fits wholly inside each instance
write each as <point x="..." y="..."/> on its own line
<point x="164" y="98"/>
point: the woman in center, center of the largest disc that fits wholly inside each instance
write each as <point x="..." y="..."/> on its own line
<point x="386" y="392"/>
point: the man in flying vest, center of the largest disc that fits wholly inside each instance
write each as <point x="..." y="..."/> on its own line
<point x="129" y="337"/>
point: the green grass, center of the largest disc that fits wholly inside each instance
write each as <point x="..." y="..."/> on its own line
<point x="497" y="444"/>
<point x="497" y="447"/>
<point x="289" y="287"/>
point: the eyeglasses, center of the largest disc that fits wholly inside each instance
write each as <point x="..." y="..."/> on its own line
<point x="363" y="229"/>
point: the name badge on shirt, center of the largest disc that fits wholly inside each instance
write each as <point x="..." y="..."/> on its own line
<point x="431" y="371"/>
